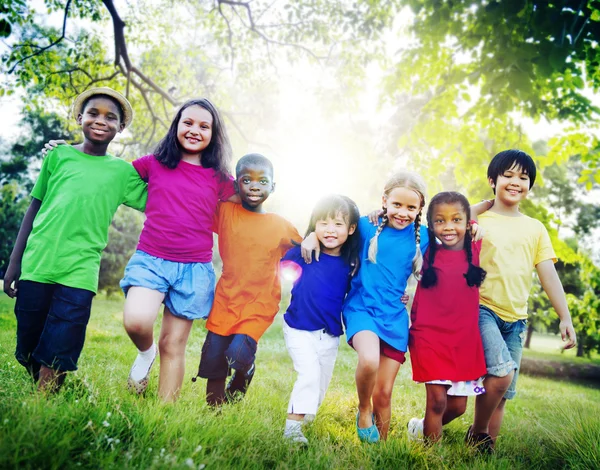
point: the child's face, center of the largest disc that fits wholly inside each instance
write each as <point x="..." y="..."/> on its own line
<point x="255" y="184"/>
<point x="100" y="120"/>
<point x="512" y="186"/>
<point x="402" y="206"/>
<point x="450" y="225"/>
<point x="194" y="130"/>
<point x="332" y="233"/>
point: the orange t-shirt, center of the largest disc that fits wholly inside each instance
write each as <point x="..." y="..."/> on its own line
<point x="249" y="290"/>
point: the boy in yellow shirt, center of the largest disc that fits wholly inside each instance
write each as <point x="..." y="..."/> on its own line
<point x="513" y="245"/>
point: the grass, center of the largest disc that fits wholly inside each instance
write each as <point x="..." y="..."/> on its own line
<point x="95" y="423"/>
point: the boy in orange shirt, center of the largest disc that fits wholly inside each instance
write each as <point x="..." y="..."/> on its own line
<point x="251" y="244"/>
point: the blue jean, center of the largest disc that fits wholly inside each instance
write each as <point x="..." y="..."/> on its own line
<point x="220" y="354"/>
<point x="502" y="345"/>
<point x="51" y="324"/>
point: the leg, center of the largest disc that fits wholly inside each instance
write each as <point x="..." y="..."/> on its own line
<point x="366" y="344"/>
<point x="240" y="356"/>
<point x="50" y="380"/>
<point x="455" y="407"/>
<point x="214" y="367"/>
<point x="328" y="349"/>
<point x="174" y="334"/>
<point x="139" y="314"/>
<point x="31" y="309"/>
<point x="496" y="421"/>
<point x="382" y="394"/>
<point x="215" y="392"/>
<point x="486" y="404"/>
<point x="434" y="411"/>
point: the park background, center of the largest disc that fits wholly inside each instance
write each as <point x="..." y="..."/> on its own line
<point x="338" y="94"/>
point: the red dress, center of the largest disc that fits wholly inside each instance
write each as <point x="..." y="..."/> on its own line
<point x="444" y="340"/>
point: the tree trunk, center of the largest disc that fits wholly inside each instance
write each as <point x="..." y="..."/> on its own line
<point x="529" y="335"/>
<point x="580" y="346"/>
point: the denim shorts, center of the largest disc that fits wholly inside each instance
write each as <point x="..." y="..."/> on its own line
<point x="51" y="324"/>
<point x="220" y="354"/>
<point x="502" y="345"/>
<point x="189" y="288"/>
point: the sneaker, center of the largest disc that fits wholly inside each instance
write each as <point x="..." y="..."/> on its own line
<point x="293" y="433"/>
<point x="238" y="384"/>
<point x="139" y="386"/>
<point x="370" y="434"/>
<point x="415" y="430"/>
<point x="483" y="442"/>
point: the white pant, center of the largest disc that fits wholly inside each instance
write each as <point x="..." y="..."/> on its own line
<point x="313" y="354"/>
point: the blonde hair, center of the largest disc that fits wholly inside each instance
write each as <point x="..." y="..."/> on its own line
<point x="412" y="181"/>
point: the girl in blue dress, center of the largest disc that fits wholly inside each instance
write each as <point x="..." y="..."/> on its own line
<point x="376" y="319"/>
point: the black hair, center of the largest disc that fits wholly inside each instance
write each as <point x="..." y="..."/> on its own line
<point x="475" y="274"/>
<point x="218" y="153"/>
<point x="331" y="206"/>
<point x="253" y="159"/>
<point x="108" y="97"/>
<point x="506" y="159"/>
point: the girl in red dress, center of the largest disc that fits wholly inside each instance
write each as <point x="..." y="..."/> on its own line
<point x="445" y="344"/>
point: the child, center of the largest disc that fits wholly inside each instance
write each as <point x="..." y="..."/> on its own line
<point x="251" y="244"/>
<point x="313" y="323"/>
<point x="375" y="317"/>
<point x="444" y="340"/>
<point x="513" y="246"/>
<point x="56" y="257"/>
<point x="187" y="176"/>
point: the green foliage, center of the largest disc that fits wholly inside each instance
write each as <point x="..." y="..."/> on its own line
<point x="12" y="210"/>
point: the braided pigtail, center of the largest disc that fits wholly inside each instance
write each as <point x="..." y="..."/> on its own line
<point x="429" y="278"/>
<point x="475" y="274"/>
<point x="373" y="242"/>
<point x="417" y="262"/>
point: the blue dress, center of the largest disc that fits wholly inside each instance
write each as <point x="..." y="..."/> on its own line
<point x="373" y="303"/>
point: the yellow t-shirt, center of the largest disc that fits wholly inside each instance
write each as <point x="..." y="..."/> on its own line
<point x="512" y="247"/>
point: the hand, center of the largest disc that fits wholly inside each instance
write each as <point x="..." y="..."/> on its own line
<point x="13" y="272"/>
<point x="477" y="232"/>
<point x="567" y="333"/>
<point x="310" y="244"/>
<point x="51" y="145"/>
<point x="374" y="216"/>
<point x="405" y="298"/>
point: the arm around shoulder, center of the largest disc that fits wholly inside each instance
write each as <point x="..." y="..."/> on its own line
<point x="554" y="289"/>
<point x="13" y="272"/>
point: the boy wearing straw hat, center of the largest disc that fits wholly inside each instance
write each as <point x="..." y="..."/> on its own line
<point x="54" y="265"/>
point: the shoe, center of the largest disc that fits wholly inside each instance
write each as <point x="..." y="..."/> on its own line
<point x="415" y="430"/>
<point x="238" y="384"/>
<point x="139" y="386"/>
<point x="483" y="442"/>
<point x="370" y="434"/>
<point x="293" y="433"/>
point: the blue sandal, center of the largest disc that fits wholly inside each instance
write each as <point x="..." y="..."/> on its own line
<point x="370" y="434"/>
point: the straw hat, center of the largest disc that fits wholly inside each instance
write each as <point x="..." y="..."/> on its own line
<point x="125" y="106"/>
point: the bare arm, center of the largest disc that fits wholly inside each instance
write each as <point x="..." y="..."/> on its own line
<point x="480" y="208"/>
<point x="554" y="289"/>
<point x="13" y="272"/>
<point x="235" y="198"/>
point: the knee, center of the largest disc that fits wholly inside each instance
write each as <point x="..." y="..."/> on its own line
<point x="368" y="364"/>
<point x="171" y="346"/>
<point x="459" y="409"/>
<point x="135" y="324"/>
<point x="499" y="385"/>
<point x="382" y="398"/>
<point x="437" y="404"/>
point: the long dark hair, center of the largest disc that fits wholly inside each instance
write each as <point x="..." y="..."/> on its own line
<point x="331" y="206"/>
<point x="475" y="274"/>
<point x="218" y="153"/>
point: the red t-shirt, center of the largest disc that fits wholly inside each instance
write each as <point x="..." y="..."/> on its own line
<point x="444" y="339"/>
<point x="180" y="209"/>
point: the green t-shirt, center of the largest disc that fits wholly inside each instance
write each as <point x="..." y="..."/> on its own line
<point x="80" y="194"/>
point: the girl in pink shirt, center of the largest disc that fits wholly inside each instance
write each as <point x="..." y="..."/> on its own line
<point x="187" y="176"/>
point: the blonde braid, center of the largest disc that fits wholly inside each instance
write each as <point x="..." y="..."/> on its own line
<point x="417" y="262"/>
<point x="373" y="242"/>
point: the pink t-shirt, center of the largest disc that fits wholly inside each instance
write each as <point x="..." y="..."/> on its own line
<point x="180" y="209"/>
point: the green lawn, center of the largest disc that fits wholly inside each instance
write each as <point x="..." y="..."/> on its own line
<point x="95" y="423"/>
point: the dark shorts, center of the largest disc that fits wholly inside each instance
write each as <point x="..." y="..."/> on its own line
<point x="51" y="324"/>
<point x="220" y="354"/>
<point x="388" y="351"/>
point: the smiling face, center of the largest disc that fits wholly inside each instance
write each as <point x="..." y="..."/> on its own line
<point x="402" y="207"/>
<point x="100" y="120"/>
<point x="511" y="186"/>
<point x="194" y="130"/>
<point x="255" y="184"/>
<point x="450" y="225"/>
<point x="332" y="233"/>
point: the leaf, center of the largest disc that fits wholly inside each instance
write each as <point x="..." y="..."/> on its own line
<point x="5" y="28"/>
